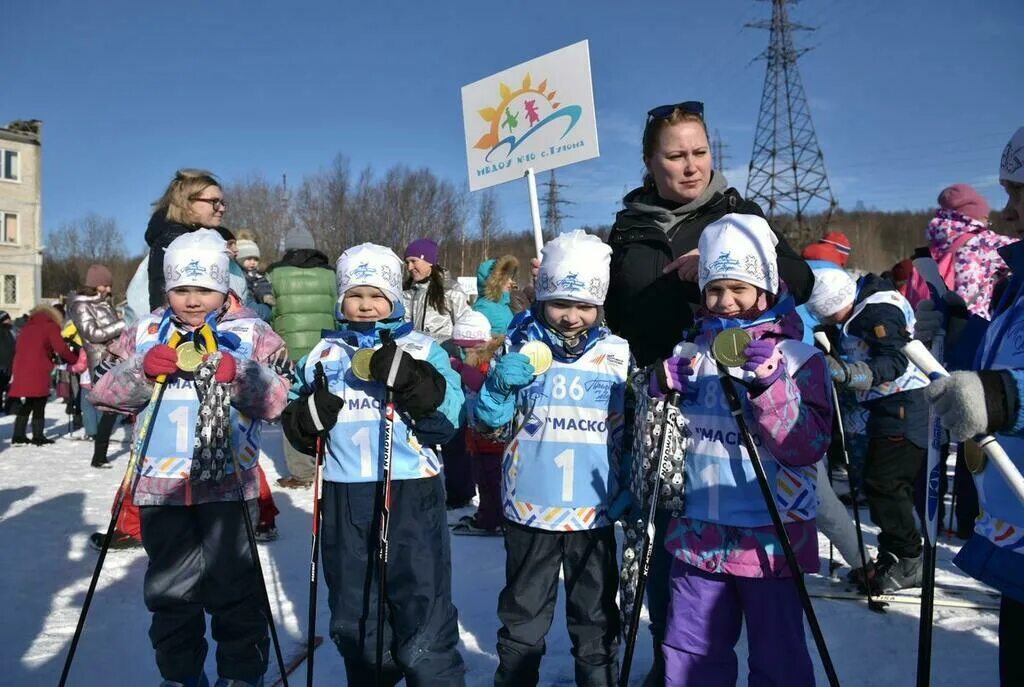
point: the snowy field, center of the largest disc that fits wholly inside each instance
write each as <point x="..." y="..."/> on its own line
<point x="51" y="501"/>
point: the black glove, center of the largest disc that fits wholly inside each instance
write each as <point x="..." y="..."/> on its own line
<point x="298" y="422"/>
<point x="418" y="387"/>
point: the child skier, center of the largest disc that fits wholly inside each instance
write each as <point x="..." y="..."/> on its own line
<point x="560" y="466"/>
<point x="188" y="490"/>
<point x="421" y="629"/>
<point x="728" y="564"/>
<point x="876" y="322"/>
<point x="476" y="347"/>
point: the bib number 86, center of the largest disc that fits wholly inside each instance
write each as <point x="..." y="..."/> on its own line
<point x="560" y="388"/>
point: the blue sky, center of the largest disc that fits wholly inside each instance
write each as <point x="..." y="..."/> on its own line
<point x="907" y="97"/>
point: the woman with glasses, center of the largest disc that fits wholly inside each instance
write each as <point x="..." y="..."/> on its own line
<point x="193" y="199"/>
<point x="653" y="292"/>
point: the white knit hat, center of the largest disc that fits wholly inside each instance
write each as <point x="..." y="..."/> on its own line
<point x="244" y="248"/>
<point x="834" y="289"/>
<point x="574" y="266"/>
<point x="472" y="326"/>
<point x="740" y="247"/>
<point x="199" y="258"/>
<point x="371" y="265"/>
<point x="1011" y="165"/>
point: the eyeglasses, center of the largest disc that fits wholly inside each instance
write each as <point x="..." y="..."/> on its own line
<point x="214" y="202"/>
<point x="665" y="111"/>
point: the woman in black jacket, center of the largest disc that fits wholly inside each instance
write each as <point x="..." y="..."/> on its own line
<point x="653" y="289"/>
<point x="193" y="199"/>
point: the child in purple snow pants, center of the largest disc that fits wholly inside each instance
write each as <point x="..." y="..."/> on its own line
<point x="728" y="566"/>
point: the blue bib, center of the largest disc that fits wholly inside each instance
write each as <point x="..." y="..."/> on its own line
<point x="173" y="427"/>
<point x="355" y="445"/>
<point x="561" y="466"/>
<point x="1002" y="516"/>
<point x="721" y="485"/>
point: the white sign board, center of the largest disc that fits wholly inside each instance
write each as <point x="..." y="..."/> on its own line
<point x="538" y="114"/>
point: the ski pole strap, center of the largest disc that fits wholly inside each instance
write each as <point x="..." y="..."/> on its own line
<point x="320" y="383"/>
<point x="393" y="372"/>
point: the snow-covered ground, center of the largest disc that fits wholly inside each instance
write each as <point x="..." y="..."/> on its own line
<point x="51" y="501"/>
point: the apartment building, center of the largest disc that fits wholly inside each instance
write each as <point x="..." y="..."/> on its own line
<point x="21" y="226"/>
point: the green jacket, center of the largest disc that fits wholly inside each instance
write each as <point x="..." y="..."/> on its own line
<point x="305" y="295"/>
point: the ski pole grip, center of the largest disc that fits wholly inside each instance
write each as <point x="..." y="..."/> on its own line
<point x="320" y="377"/>
<point x="920" y="356"/>
<point x="821" y="339"/>
<point x="172" y="342"/>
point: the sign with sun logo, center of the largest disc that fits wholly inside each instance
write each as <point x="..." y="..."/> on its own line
<point x="538" y="114"/>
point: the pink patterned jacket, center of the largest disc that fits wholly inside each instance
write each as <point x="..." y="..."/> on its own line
<point x="976" y="266"/>
<point x="258" y="392"/>
<point x="793" y="418"/>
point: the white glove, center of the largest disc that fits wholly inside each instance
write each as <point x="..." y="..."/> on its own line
<point x="929" y="322"/>
<point x="959" y="401"/>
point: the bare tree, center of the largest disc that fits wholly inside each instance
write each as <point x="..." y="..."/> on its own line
<point x="77" y="244"/>
<point x="263" y="208"/>
<point x="322" y="205"/>
<point x="489" y="215"/>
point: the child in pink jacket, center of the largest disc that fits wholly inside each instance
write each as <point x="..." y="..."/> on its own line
<point x="728" y="564"/>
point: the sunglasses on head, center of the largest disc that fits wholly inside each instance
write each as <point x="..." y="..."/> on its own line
<point x="665" y="111"/>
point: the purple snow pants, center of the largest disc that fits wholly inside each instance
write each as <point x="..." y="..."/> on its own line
<point x="705" y="615"/>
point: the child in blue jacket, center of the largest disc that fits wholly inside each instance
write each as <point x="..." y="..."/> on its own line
<point x="421" y="630"/>
<point x="560" y="466"/>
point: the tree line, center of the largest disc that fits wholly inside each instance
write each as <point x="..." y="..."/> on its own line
<point x="342" y="208"/>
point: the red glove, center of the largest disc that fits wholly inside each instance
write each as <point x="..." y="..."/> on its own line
<point x="160" y="360"/>
<point x="227" y="368"/>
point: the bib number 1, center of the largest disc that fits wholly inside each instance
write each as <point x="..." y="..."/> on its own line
<point x="566" y="461"/>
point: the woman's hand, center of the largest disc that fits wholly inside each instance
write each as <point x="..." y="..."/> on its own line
<point x="685" y="266"/>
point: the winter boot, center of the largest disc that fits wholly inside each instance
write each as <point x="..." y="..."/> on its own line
<point x="20" y="440"/>
<point x="656" y="677"/>
<point x="200" y="681"/>
<point x="226" y="682"/>
<point x="893" y="573"/>
<point x="42" y="441"/>
<point x="118" y="541"/>
<point x="468" y="525"/>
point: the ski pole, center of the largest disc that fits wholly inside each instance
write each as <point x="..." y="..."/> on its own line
<point x="321" y="442"/>
<point x="646" y="547"/>
<point x="878" y="606"/>
<point x="736" y="408"/>
<point x="210" y="340"/>
<point x="920" y="356"/>
<point x="128" y="483"/>
<point x="385" y="509"/>
<point x="931" y="515"/>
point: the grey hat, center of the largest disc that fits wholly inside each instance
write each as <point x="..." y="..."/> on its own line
<point x="299" y="238"/>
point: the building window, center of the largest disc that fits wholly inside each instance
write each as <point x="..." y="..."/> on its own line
<point x="9" y="165"/>
<point x="8" y="227"/>
<point x="9" y="295"/>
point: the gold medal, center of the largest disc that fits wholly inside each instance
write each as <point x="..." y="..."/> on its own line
<point x="189" y="357"/>
<point x="974" y="457"/>
<point x="361" y="363"/>
<point x="727" y="348"/>
<point x="539" y="355"/>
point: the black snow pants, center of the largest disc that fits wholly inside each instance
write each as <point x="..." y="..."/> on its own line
<point x="421" y="624"/>
<point x="526" y="605"/>
<point x="199" y="559"/>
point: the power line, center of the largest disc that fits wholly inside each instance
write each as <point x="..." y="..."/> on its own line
<point x="787" y="169"/>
